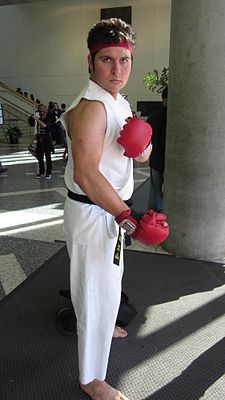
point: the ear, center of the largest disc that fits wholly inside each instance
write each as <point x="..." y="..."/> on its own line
<point x="90" y="63"/>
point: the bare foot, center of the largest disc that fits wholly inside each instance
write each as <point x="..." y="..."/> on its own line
<point x="119" y="332"/>
<point x="100" y="390"/>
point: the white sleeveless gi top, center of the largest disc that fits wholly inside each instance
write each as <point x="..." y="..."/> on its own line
<point x="116" y="168"/>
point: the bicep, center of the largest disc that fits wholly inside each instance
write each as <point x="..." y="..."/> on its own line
<point x="87" y="131"/>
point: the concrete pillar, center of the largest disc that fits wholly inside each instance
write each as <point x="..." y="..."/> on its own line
<point x="194" y="189"/>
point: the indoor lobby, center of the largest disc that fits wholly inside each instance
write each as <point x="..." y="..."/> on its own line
<point x="175" y="344"/>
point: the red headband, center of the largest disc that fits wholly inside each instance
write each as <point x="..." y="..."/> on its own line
<point x="121" y="43"/>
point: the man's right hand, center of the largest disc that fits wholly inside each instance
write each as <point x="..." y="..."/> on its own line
<point x="135" y="137"/>
<point x="149" y="228"/>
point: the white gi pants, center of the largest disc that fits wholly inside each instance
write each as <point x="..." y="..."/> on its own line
<point x="95" y="283"/>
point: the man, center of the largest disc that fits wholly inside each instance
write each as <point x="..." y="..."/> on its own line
<point x="99" y="178"/>
<point x="157" y="157"/>
<point x="57" y="130"/>
<point x="44" y="142"/>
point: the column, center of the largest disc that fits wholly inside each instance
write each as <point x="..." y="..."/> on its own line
<point x="194" y="189"/>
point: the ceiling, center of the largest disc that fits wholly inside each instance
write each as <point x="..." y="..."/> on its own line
<point x="12" y="2"/>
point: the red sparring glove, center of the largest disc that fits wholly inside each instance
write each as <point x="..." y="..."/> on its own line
<point x="135" y="137"/>
<point x="146" y="228"/>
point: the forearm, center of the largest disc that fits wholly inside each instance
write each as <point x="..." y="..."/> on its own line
<point x="101" y="192"/>
<point x="38" y="121"/>
<point x="41" y="123"/>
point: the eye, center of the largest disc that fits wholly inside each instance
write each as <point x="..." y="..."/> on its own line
<point x="124" y="60"/>
<point x="106" y="59"/>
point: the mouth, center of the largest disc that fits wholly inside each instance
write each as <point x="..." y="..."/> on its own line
<point x="116" y="81"/>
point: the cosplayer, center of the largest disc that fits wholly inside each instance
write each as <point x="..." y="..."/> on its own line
<point x="103" y="139"/>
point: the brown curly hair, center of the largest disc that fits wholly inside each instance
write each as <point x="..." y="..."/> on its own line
<point x="110" y="30"/>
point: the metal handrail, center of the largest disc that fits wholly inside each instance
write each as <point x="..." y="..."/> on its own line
<point x="16" y="94"/>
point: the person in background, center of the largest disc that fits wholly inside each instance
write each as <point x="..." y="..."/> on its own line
<point x="60" y="131"/>
<point x="157" y="158"/>
<point x="99" y="179"/>
<point x="50" y="106"/>
<point x="19" y="90"/>
<point x="63" y="134"/>
<point x="63" y="107"/>
<point x="57" y="131"/>
<point x="44" y="142"/>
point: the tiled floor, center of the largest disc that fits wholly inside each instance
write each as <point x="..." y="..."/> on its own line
<point x="32" y="214"/>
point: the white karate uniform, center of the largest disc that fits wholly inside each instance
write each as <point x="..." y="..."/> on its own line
<point x="91" y="236"/>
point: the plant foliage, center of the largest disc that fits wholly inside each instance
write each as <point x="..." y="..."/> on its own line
<point x="156" y="81"/>
<point x="14" y="134"/>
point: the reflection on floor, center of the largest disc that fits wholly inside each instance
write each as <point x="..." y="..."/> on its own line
<point x="32" y="213"/>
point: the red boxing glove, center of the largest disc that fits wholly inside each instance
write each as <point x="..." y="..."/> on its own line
<point x="135" y="137"/>
<point x="146" y="228"/>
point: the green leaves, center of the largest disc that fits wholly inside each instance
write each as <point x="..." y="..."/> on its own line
<point x="156" y="81"/>
<point x="14" y="131"/>
<point x="13" y="134"/>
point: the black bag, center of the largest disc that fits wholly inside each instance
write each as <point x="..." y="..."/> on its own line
<point x="32" y="148"/>
<point x="126" y="311"/>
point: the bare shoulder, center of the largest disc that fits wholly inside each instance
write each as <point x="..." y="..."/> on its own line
<point x="87" y="113"/>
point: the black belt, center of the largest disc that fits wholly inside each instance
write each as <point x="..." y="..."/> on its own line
<point x="79" y="197"/>
<point x="84" y="199"/>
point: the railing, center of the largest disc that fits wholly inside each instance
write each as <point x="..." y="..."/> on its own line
<point x="11" y="97"/>
<point x="17" y="109"/>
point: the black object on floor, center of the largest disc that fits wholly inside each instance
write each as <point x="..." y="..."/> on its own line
<point x="66" y="319"/>
<point x="180" y="304"/>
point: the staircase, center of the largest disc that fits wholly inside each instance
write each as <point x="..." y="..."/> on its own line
<point x="15" y="109"/>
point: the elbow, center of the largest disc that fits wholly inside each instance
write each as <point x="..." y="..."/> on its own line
<point x="77" y="177"/>
<point x="85" y="179"/>
<point x="81" y="180"/>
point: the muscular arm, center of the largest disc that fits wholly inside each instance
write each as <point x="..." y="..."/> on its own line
<point x="87" y="125"/>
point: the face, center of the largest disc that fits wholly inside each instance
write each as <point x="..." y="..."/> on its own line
<point x="42" y="111"/>
<point x="111" y="68"/>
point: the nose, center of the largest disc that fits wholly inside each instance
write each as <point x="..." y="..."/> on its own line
<point x="116" y="68"/>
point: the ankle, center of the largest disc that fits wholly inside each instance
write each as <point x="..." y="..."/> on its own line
<point x="95" y="382"/>
<point x="91" y="388"/>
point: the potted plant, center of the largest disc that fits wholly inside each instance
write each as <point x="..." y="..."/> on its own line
<point x="156" y="81"/>
<point x="14" y="134"/>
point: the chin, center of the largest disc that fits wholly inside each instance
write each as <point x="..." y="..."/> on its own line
<point x="116" y="86"/>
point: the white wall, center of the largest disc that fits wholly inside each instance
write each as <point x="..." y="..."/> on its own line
<point x="43" y="45"/>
